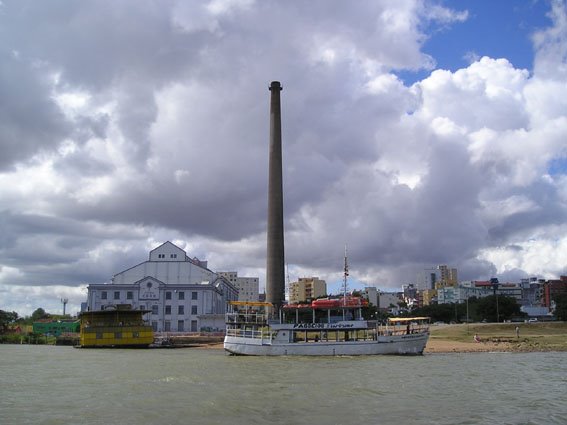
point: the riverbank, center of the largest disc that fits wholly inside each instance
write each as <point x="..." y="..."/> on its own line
<point x="501" y="337"/>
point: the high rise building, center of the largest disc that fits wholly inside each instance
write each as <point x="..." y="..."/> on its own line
<point x="426" y="279"/>
<point x="248" y="287"/>
<point x="306" y="288"/>
<point x="371" y="294"/>
<point x="447" y="276"/>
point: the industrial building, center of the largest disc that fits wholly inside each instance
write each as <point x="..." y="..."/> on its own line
<point x="180" y="293"/>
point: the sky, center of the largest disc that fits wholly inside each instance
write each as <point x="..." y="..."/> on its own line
<point x="417" y="133"/>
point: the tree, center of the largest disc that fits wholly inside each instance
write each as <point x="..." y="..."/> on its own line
<point x="497" y="308"/>
<point x="437" y="312"/>
<point x="6" y="318"/>
<point x="560" y="307"/>
<point x="39" y="314"/>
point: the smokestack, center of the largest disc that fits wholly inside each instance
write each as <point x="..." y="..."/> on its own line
<point x="275" y="286"/>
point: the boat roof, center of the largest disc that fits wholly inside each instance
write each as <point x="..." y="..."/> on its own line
<point x="251" y="303"/>
<point x="406" y="319"/>
<point x="109" y="312"/>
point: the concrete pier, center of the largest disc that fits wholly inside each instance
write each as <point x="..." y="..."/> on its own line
<point x="275" y="272"/>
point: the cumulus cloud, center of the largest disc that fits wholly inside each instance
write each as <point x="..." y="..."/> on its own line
<point x="123" y="127"/>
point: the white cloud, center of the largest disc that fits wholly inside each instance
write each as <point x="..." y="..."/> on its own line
<point x="538" y="257"/>
<point x="48" y="297"/>
<point x="485" y="94"/>
<point x="120" y="137"/>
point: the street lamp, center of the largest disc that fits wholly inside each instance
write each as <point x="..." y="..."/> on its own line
<point x="494" y="282"/>
<point x="467" y="312"/>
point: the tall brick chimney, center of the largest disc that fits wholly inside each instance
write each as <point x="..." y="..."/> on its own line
<point x="275" y="274"/>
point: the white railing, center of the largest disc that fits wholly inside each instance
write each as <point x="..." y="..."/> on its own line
<point x="246" y="318"/>
<point x="249" y="333"/>
<point x="414" y="328"/>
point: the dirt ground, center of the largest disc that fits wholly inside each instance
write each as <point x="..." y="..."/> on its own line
<point x="445" y="346"/>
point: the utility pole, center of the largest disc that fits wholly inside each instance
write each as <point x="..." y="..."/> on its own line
<point x="494" y="282"/>
<point x="345" y="283"/>
<point x="467" y="312"/>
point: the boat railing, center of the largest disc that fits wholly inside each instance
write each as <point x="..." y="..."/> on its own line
<point x="403" y="328"/>
<point x="241" y="318"/>
<point x="249" y="333"/>
<point x="115" y="328"/>
<point x="391" y="331"/>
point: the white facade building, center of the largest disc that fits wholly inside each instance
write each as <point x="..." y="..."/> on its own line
<point x="182" y="294"/>
<point x="460" y="294"/>
<point x="248" y="287"/>
<point x="426" y="279"/>
<point x="389" y="300"/>
<point x="371" y="294"/>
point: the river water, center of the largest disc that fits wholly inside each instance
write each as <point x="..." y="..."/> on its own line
<point x="63" y="385"/>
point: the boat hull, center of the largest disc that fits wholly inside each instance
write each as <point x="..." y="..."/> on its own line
<point x="385" y="345"/>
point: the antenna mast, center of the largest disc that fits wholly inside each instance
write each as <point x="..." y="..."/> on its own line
<point x="287" y="282"/>
<point x="345" y="277"/>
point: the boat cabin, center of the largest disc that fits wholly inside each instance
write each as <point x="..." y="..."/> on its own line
<point x="118" y="326"/>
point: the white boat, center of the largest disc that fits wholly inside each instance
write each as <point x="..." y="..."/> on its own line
<point x="327" y="328"/>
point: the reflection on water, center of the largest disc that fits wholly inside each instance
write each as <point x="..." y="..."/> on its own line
<point x="60" y="385"/>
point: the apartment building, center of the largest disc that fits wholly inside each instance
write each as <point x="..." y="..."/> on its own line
<point x="307" y="288"/>
<point x="248" y="287"/>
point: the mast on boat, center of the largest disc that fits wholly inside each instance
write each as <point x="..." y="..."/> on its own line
<point x="345" y="282"/>
<point x="287" y="285"/>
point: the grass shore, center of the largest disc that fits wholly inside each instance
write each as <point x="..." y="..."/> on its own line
<point x="541" y="336"/>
